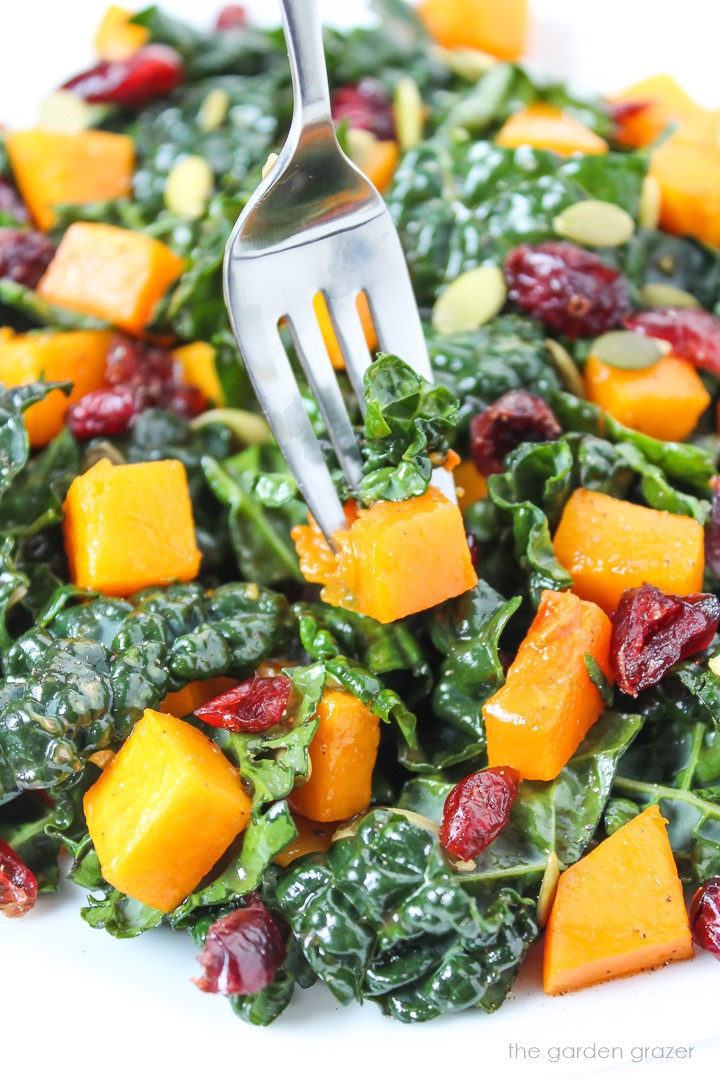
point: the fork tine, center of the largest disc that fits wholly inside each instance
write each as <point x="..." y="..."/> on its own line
<point x="395" y="315"/>
<point x="351" y="339"/>
<point x="311" y="349"/>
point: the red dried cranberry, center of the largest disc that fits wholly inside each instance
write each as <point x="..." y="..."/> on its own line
<point x="712" y="531"/>
<point x="477" y="810"/>
<point x="620" y="111"/>
<point x="694" y="334"/>
<point x="18" y="887"/>
<point x="653" y="630"/>
<point x="24" y="256"/>
<point x="11" y="204"/>
<point x="254" y="705"/>
<point x="231" y="17"/>
<point x="365" y="105"/>
<point x="243" y="952"/>
<point x="150" y="72"/>
<point x="567" y="288"/>
<point x="515" y="418"/>
<point x="109" y="411"/>
<point x="185" y="400"/>
<point x="146" y="369"/>
<point x="705" y="916"/>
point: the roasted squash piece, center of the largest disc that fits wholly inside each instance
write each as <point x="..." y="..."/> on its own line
<point x="664" y="102"/>
<point x="114" y="274"/>
<point x="664" y="401"/>
<point x="492" y="27"/>
<point x="116" y="37"/>
<point x="197" y="367"/>
<point x="128" y="526"/>
<point x="342" y="759"/>
<point x="395" y="558"/>
<point x="165" y="809"/>
<point x="609" y="545"/>
<point x="381" y="162"/>
<point x="537" y="720"/>
<point x="191" y="697"/>
<point x="53" y="167"/>
<point x="77" y="356"/>
<point x="312" y="836"/>
<point x="687" y="168"/>
<point x="471" y="484"/>
<point x="546" y="128"/>
<point x="618" y="911"/>
<point x="326" y="328"/>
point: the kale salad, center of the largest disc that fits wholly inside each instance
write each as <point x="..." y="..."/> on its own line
<point x="393" y="762"/>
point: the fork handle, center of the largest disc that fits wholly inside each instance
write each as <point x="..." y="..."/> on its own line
<point x="304" y="40"/>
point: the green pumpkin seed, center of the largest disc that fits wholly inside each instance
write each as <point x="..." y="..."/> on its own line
<point x="66" y="113"/>
<point x="248" y="428"/>
<point x="650" y="201"/>
<point x="213" y="110"/>
<point x="408" y="108"/>
<point x="548" y="888"/>
<point x="628" y="351"/>
<point x="470" y="301"/>
<point x="714" y="664"/>
<point x="658" y="294"/>
<point x="189" y="186"/>
<point x="468" y="64"/>
<point x="595" y="224"/>
<point x="360" y="144"/>
<point x="566" y="368"/>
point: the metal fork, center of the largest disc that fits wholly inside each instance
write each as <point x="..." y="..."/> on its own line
<point x="316" y="224"/>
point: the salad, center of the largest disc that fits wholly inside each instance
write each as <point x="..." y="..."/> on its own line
<point x="392" y="763"/>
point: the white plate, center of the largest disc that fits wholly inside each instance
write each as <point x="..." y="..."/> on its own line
<point x="75" y="1002"/>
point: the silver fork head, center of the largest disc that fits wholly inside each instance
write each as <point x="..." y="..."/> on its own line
<point x="316" y="224"/>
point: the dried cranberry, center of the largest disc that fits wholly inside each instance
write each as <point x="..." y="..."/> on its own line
<point x="365" y="105"/>
<point x="653" y="630"/>
<point x="254" y="705"/>
<point x="477" y="810"/>
<point x="150" y="72"/>
<point x="185" y="400"/>
<point x="24" y="256"/>
<point x="705" y="916"/>
<point x="231" y="17"/>
<point x="620" y="111"/>
<point x="694" y="334"/>
<point x="243" y="952"/>
<point x="109" y="411"/>
<point x="712" y="531"/>
<point x="146" y="369"/>
<point x="567" y="288"/>
<point x="18" y="887"/>
<point x="11" y="204"/>
<point x="515" y="418"/>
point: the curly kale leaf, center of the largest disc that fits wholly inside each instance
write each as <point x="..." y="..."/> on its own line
<point x="405" y="932"/>
<point x="407" y="421"/>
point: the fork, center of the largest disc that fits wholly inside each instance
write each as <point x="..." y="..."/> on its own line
<point x="317" y="224"/>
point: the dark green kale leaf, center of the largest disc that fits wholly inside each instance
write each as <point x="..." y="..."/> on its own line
<point x="404" y="932"/>
<point x="652" y="255"/>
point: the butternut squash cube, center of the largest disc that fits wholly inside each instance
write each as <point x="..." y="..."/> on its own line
<point x="328" y="332"/>
<point x="165" y="809"/>
<point x="546" y="128"/>
<point x="492" y="27"/>
<point x="471" y="484"/>
<point x="608" y="546"/>
<point x="53" y="167"/>
<point x="538" y="718"/>
<point x="128" y="526"/>
<point x="116" y="37"/>
<point x="191" y="697"/>
<point x="197" y="366"/>
<point x="618" y="911"/>
<point x="687" y="168"/>
<point x="395" y="558"/>
<point x="312" y="836"/>
<point x="665" y="102"/>
<point x="113" y="274"/>
<point x="664" y="401"/>
<point x="78" y="357"/>
<point x="342" y="759"/>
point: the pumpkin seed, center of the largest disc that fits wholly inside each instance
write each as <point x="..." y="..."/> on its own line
<point x="658" y="294"/>
<point x="650" y="201"/>
<point x="595" y="223"/>
<point x="548" y="888"/>
<point x="269" y="165"/>
<point x="360" y="144"/>
<point x="247" y="427"/>
<point x="566" y="368"/>
<point x="189" y="186"/>
<point x="66" y="113"/>
<point x="470" y="301"/>
<point x="714" y="664"/>
<point x="469" y="64"/>
<point x="422" y="822"/>
<point x="408" y="109"/>
<point x="628" y="351"/>
<point x="213" y="110"/>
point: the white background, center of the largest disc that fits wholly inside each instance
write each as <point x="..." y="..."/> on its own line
<point x="75" y="1002"/>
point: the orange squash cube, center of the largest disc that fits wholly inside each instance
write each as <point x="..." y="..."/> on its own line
<point x="618" y="911"/>
<point x="197" y="368"/>
<point x="78" y="357"/>
<point x="113" y="274"/>
<point x="312" y="836"/>
<point x="328" y="332"/>
<point x="547" y="128"/>
<point x="609" y="545"/>
<point x="128" y="526"/>
<point x="395" y="558"/>
<point x="380" y="164"/>
<point x="191" y="697"/>
<point x="471" y="484"/>
<point x="492" y="27"/>
<point x="53" y="167"/>
<point x="665" y="102"/>
<point x="116" y="37"/>
<point x="664" y="401"/>
<point x="687" y="168"/>
<point x="538" y="718"/>
<point x="165" y="809"/>
<point x="342" y="759"/>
